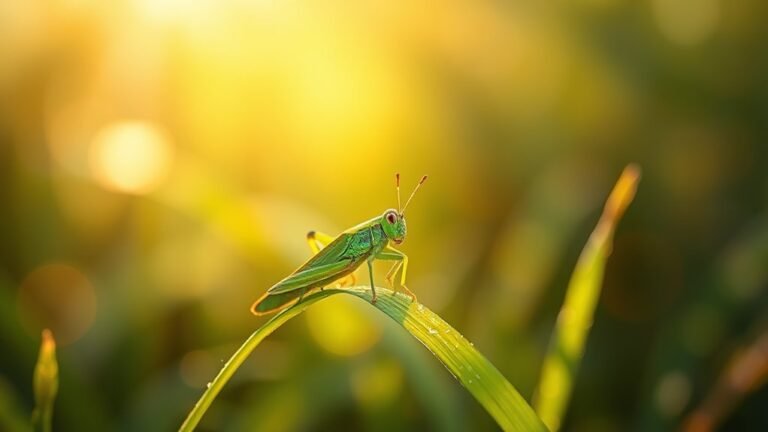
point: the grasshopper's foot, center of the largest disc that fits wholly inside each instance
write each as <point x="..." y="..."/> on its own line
<point x="409" y="293"/>
<point x="394" y="289"/>
<point x="391" y="285"/>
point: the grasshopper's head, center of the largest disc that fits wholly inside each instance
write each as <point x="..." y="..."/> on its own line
<point x="393" y="221"/>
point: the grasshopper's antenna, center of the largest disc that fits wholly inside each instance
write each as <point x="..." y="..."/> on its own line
<point x="397" y="184"/>
<point x="421" y="182"/>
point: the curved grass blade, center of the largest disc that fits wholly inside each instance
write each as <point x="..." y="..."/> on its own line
<point x="567" y="344"/>
<point x="470" y="368"/>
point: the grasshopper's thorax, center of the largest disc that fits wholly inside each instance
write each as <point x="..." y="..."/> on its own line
<point x="393" y="224"/>
<point x="368" y="241"/>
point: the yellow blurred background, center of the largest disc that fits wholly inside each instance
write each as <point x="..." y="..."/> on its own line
<point x="161" y="162"/>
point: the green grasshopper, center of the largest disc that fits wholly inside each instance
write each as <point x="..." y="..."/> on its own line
<point x="336" y="259"/>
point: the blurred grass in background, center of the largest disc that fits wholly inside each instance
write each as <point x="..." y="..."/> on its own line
<point x="161" y="162"/>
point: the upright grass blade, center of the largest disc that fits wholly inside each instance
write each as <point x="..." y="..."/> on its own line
<point x="567" y="344"/>
<point x="473" y="371"/>
<point x="45" y="383"/>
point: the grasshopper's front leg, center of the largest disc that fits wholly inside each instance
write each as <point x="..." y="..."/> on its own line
<point x="391" y="254"/>
<point x="370" y="269"/>
<point x="370" y="272"/>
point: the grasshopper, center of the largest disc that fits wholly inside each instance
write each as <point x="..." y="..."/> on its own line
<point x="336" y="259"/>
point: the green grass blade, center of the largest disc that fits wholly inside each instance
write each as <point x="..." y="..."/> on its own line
<point x="567" y="344"/>
<point x="470" y="368"/>
<point x="46" y="383"/>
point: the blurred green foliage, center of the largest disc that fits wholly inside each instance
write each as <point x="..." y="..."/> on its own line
<point x="161" y="162"/>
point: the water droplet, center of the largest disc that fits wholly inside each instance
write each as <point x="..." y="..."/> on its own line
<point x="432" y="331"/>
<point x="208" y="385"/>
<point x="470" y="381"/>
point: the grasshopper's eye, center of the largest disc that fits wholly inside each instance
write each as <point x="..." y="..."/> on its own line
<point x="391" y="218"/>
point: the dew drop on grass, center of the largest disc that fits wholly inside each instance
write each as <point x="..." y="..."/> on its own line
<point x="432" y="331"/>
<point x="470" y="381"/>
<point x="208" y="385"/>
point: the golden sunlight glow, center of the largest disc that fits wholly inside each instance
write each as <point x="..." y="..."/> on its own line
<point x="130" y="157"/>
<point x="339" y="325"/>
<point x="342" y="95"/>
<point x="171" y="11"/>
<point x="160" y="10"/>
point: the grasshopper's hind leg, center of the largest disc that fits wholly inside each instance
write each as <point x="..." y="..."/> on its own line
<point x="318" y="241"/>
<point x="373" y="287"/>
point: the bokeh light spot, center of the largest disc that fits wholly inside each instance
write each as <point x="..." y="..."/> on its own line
<point x="686" y="22"/>
<point x="673" y="393"/>
<point x="130" y="156"/>
<point x="377" y="384"/>
<point x="340" y="326"/>
<point x="59" y="297"/>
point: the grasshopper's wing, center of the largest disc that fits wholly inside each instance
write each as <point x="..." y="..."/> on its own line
<point x="331" y="253"/>
<point x="323" y="268"/>
<point x="311" y="277"/>
<point x="326" y="265"/>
